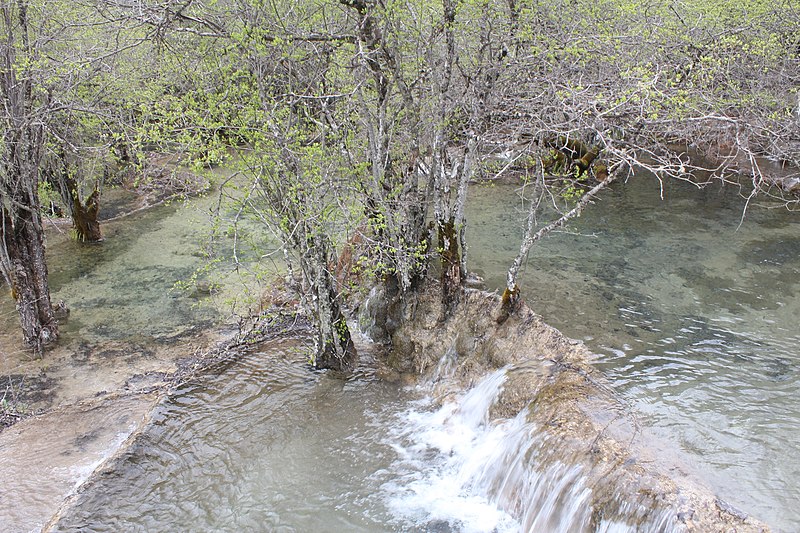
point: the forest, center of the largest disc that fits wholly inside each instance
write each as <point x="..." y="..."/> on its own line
<point x="353" y="133"/>
<point x="376" y="118"/>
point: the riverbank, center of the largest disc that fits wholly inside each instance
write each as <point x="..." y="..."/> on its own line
<point x="79" y="410"/>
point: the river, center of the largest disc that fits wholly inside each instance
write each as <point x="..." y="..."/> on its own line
<point x="692" y="312"/>
<point x="691" y="315"/>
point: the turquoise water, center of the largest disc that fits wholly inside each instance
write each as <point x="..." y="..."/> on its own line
<point x="693" y="314"/>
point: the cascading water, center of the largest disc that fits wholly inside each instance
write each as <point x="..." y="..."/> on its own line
<point x="686" y="297"/>
<point x="440" y="451"/>
<point x="460" y="471"/>
<point x="367" y="456"/>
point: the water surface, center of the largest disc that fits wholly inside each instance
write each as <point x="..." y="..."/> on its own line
<point x="693" y="314"/>
<point x="690" y="312"/>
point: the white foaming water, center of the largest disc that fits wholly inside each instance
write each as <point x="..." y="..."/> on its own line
<point x="440" y="453"/>
<point x="458" y="471"/>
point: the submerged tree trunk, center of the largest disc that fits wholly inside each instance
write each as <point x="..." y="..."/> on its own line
<point x="334" y="344"/>
<point x="26" y="271"/>
<point x="84" y="217"/>
<point x="83" y="212"/>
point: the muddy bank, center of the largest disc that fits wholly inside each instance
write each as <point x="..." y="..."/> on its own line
<point x="578" y="418"/>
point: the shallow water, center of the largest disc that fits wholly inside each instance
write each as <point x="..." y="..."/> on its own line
<point x="124" y="288"/>
<point x="269" y="445"/>
<point x="138" y="286"/>
<point x="691" y="314"/>
<point x="693" y="317"/>
<point x="265" y="445"/>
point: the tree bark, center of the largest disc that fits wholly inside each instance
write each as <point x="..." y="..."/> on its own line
<point x="22" y="144"/>
<point x="24" y="266"/>
<point x="334" y="344"/>
<point x="84" y="213"/>
<point x="451" y="276"/>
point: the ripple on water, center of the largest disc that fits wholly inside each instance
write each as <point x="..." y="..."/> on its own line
<point x="694" y="317"/>
<point x="266" y="444"/>
<point x="695" y="321"/>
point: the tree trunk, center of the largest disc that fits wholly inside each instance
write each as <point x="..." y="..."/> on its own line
<point x="24" y="265"/>
<point x="334" y="344"/>
<point x="22" y="145"/>
<point x="511" y="294"/>
<point x="84" y="216"/>
<point x="451" y="275"/>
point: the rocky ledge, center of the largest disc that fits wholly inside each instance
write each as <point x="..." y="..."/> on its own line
<point x="626" y="477"/>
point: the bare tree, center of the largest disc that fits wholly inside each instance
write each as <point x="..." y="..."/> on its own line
<point x="425" y="94"/>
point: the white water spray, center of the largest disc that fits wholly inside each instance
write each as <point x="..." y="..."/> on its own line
<point x="459" y="471"/>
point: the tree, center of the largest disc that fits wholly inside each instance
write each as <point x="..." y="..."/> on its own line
<point x="705" y="92"/>
<point x="24" y="116"/>
<point x="394" y="108"/>
<point x="60" y="173"/>
<point x="53" y="56"/>
<point x="258" y="94"/>
<point x="425" y="90"/>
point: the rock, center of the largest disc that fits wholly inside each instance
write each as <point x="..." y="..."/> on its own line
<point x="573" y="416"/>
<point x="206" y="287"/>
<point x="474" y="281"/>
<point x="791" y="185"/>
<point x="725" y="507"/>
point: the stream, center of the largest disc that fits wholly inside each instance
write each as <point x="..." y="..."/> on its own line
<point x="693" y="318"/>
<point x="691" y="315"/>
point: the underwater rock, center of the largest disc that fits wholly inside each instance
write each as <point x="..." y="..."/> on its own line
<point x="61" y="311"/>
<point x="475" y="281"/>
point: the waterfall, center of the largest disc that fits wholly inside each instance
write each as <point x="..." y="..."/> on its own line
<point x="458" y="470"/>
<point x="439" y="451"/>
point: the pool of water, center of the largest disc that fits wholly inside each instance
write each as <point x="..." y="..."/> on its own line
<point x="693" y="314"/>
<point x="690" y="310"/>
<point x="266" y="444"/>
<point x="124" y="288"/>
